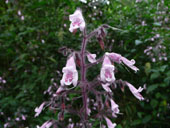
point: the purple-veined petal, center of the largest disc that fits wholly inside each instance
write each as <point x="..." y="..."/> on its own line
<point x="39" y="109"/>
<point x="114" y="107"/>
<point x="106" y="87"/>
<point x="129" y="63"/>
<point x="77" y="21"/>
<point x="91" y="57"/>
<point x="109" y="123"/>
<point x="135" y="92"/>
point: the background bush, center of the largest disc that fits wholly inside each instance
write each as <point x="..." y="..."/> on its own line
<point x="29" y="57"/>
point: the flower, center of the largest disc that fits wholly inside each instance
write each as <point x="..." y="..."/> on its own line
<point x="91" y="57"/>
<point x="106" y="87"/>
<point x="109" y="123"/>
<point x="114" y="108"/>
<point x="47" y="124"/>
<point x="70" y="73"/>
<point x="77" y="21"/>
<point x="39" y="109"/>
<point x="60" y="89"/>
<point x="107" y="71"/>
<point x="135" y="92"/>
<point x="119" y="59"/>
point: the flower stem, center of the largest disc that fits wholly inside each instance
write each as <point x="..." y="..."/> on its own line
<point x="83" y="74"/>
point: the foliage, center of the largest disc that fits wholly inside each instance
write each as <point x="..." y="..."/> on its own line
<point x="30" y="61"/>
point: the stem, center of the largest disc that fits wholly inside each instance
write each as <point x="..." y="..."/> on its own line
<point x="83" y="75"/>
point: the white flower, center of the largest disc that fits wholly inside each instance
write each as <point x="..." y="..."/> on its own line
<point x="107" y="71"/>
<point x="114" y="108"/>
<point x="77" y="21"/>
<point x="70" y="73"/>
<point x="119" y="59"/>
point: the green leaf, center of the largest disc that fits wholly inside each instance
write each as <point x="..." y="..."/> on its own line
<point x="152" y="88"/>
<point x="157" y="24"/>
<point x="147" y="119"/>
<point x="155" y="75"/>
<point x="137" y="42"/>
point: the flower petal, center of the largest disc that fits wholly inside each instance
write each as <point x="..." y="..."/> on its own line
<point x="109" y="123"/>
<point x="106" y="87"/>
<point x="135" y="91"/>
<point x="91" y="57"/>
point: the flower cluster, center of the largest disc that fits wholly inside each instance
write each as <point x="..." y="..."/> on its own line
<point x="106" y="79"/>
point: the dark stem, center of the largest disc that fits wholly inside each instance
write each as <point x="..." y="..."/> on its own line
<point x="83" y="75"/>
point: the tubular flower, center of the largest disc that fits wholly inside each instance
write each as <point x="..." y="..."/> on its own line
<point x="119" y="59"/>
<point x="114" y="108"/>
<point x="47" y="124"/>
<point x="77" y="21"/>
<point x="109" y="123"/>
<point x="107" y="71"/>
<point x="39" y="109"/>
<point x="135" y="92"/>
<point x="70" y="74"/>
<point x="91" y="57"/>
<point x="106" y="87"/>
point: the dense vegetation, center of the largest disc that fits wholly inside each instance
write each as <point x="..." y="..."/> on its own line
<point x="31" y="32"/>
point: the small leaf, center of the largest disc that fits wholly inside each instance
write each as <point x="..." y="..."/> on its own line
<point x="147" y="119"/>
<point x="157" y="24"/>
<point x="137" y="42"/>
<point x="155" y="75"/>
<point x="152" y="88"/>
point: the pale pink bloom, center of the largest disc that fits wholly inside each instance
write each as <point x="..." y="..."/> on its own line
<point x="23" y="117"/>
<point x="91" y="57"/>
<point x="130" y="63"/>
<point x="39" y="109"/>
<point x="19" y="12"/>
<point x="114" y="57"/>
<point x="114" y="108"/>
<point x="106" y="87"/>
<point x="77" y="21"/>
<point x="17" y="119"/>
<point x="22" y="18"/>
<point x="109" y="123"/>
<point x="119" y="59"/>
<point x="70" y="73"/>
<point x="60" y="89"/>
<point x="71" y="125"/>
<point x="47" y="124"/>
<point x="107" y="71"/>
<point x="135" y="92"/>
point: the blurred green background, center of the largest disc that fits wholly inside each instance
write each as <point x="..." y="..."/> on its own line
<point x="32" y="31"/>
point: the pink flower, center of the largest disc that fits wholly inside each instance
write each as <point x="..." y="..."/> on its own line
<point x="136" y="92"/>
<point x="39" y="109"/>
<point x="106" y="87"/>
<point x="109" y="123"/>
<point x="70" y="73"/>
<point x="107" y="71"/>
<point x="47" y="124"/>
<point x="114" y="108"/>
<point x="119" y="59"/>
<point x="77" y="21"/>
<point x="91" y="57"/>
<point x="60" y="89"/>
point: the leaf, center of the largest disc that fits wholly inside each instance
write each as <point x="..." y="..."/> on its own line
<point x="154" y="103"/>
<point x="147" y="119"/>
<point x="155" y="75"/>
<point x="157" y="24"/>
<point x="137" y="42"/>
<point x="152" y="88"/>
